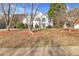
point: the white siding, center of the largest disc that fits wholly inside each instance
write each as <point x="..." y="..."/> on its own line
<point x="76" y="26"/>
<point x="25" y="21"/>
<point x="41" y="23"/>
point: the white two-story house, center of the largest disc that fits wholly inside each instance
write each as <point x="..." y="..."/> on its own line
<point x="41" y="20"/>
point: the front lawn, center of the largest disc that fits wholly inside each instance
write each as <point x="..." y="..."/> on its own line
<point x="50" y="37"/>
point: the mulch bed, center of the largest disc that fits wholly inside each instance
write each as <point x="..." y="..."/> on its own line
<point x="27" y="33"/>
<point x="72" y="30"/>
<point x="6" y="33"/>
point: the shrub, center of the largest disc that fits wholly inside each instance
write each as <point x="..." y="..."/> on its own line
<point x="57" y="26"/>
<point x="25" y="25"/>
<point x="36" y="26"/>
<point x="20" y="25"/>
<point x="49" y="26"/>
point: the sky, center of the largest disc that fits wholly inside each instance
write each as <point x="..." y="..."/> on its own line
<point x="72" y="5"/>
<point x="43" y="7"/>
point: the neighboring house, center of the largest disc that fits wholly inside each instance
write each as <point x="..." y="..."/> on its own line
<point x="68" y="22"/>
<point x="19" y="17"/>
<point x="73" y="22"/>
<point x="76" y="23"/>
<point x="2" y="23"/>
<point x="41" y="20"/>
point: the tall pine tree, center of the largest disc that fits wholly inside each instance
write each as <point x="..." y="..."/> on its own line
<point x="57" y="10"/>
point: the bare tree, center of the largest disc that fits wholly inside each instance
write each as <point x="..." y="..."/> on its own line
<point x="12" y="16"/>
<point x="34" y="9"/>
<point x="8" y="14"/>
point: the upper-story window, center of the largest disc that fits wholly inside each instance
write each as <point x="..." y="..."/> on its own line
<point x="37" y="19"/>
<point x="49" y="20"/>
<point x="43" y="19"/>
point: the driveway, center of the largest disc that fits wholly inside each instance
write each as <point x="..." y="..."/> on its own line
<point x="41" y="51"/>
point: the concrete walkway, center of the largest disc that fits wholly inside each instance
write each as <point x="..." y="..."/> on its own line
<point x="6" y="29"/>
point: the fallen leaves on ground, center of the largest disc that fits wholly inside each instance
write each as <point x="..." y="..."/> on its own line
<point x="51" y="37"/>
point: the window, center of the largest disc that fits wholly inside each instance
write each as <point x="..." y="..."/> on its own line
<point x="43" y="19"/>
<point x="37" y="19"/>
<point x="43" y="24"/>
<point x="49" y="20"/>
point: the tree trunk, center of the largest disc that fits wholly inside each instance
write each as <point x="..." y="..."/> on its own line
<point x="10" y="19"/>
<point x="8" y="28"/>
<point x="31" y="19"/>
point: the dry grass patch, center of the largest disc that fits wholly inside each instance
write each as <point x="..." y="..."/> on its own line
<point x="50" y="37"/>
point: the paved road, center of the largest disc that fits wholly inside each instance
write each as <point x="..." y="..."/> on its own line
<point x="41" y="51"/>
